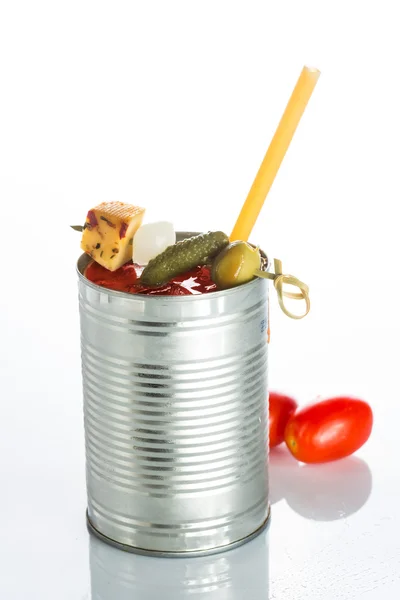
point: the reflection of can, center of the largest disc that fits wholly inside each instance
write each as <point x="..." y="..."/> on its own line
<point x="175" y="405"/>
<point x="233" y="575"/>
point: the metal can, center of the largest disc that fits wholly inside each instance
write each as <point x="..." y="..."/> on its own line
<point x="176" y="417"/>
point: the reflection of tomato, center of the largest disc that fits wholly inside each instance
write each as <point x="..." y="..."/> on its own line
<point x="280" y="409"/>
<point x="329" y="429"/>
<point x="335" y="491"/>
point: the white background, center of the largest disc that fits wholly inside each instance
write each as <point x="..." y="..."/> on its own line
<point x="172" y="105"/>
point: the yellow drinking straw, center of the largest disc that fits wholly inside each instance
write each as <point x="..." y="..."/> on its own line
<point x="275" y="154"/>
<point x="265" y="178"/>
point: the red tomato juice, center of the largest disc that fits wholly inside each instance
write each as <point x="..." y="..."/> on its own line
<point x="127" y="279"/>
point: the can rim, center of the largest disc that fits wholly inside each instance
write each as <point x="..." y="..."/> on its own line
<point x="84" y="259"/>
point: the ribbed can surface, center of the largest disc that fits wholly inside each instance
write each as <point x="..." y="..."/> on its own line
<point x="175" y="410"/>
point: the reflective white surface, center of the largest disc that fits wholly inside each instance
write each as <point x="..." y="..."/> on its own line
<point x="172" y="105"/>
<point x="226" y="576"/>
<point x="335" y="528"/>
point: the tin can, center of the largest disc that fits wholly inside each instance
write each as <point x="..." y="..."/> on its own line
<point x="176" y="417"/>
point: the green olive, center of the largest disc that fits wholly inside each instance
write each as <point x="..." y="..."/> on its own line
<point x="235" y="265"/>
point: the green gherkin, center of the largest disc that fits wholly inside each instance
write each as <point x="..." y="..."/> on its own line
<point x="183" y="256"/>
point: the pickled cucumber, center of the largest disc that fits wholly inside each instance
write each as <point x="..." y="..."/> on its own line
<point x="183" y="256"/>
<point x="235" y="264"/>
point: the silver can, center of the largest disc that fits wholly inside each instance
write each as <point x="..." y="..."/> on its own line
<point x="176" y="417"/>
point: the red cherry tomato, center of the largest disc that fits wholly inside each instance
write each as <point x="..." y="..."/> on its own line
<point x="329" y="429"/>
<point x="281" y="407"/>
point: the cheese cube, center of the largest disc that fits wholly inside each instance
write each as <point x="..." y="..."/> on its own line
<point x="108" y="233"/>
